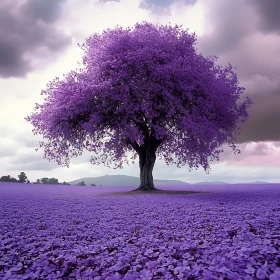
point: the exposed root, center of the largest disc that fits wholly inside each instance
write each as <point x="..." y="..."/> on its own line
<point x="146" y="189"/>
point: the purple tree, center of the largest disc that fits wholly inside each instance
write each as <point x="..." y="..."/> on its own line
<point x="143" y="90"/>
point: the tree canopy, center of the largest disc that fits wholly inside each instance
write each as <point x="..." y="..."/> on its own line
<point x="22" y="178"/>
<point x="8" y="178"/>
<point x="82" y="183"/>
<point x="142" y="87"/>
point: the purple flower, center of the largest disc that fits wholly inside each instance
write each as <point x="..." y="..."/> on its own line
<point x="261" y="274"/>
<point x="275" y="275"/>
<point x="113" y="277"/>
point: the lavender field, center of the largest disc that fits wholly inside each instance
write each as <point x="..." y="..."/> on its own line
<point x="71" y="232"/>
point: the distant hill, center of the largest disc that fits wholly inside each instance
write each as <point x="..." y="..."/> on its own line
<point x="256" y="182"/>
<point x="122" y="180"/>
<point x="212" y="183"/>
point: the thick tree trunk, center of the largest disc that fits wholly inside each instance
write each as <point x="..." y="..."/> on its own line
<point x="147" y="158"/>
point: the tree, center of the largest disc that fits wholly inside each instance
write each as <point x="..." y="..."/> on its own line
<point x="81" y="184"/>
<point x="8" y="178"/>
<point x="44" y="180"/>
<point x="38" y="181"/>
<point x="53" y="181"/>
<point x="48" y="181"/>
<point x="64" y="183"/>
<point x="93" y="185"/>
<point x="147" y="91"/>
<point x="22" y="178"/>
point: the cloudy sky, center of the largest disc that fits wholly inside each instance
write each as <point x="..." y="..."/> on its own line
<point x="38" y="41"/>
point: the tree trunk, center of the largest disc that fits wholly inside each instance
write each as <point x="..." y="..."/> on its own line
<point x="147" y="158"/>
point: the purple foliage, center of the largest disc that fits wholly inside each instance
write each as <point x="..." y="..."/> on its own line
<point x="62" y="232"/>
<point x="139" y="85"/>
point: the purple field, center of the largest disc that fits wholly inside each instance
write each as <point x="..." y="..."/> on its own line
<point x="71" y="232"/>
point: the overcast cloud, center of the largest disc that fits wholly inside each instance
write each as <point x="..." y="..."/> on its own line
<point x="28" y="31"/>
<point x="38" y="41"/>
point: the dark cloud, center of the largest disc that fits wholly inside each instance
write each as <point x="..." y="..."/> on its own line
<point x="259" y="75"/>
<point x="24" y="31"/>
<point x="227" y="22"/>
<point x="264" y="119"/>
<point x="256" y="55"/>
<point x="47" y="11"/>
<point x="157" y="6"/>
<point x="269" y="14"/>
<point x="235" y="34"/>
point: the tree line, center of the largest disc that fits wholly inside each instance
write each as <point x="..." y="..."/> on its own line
<point x="22" y="178"/>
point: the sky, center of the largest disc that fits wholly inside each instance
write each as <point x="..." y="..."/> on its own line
<point x="38" y="41"/>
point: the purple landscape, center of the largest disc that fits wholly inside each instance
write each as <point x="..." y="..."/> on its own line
<point x="71" y="232"/>
<point x="139" y="140"/>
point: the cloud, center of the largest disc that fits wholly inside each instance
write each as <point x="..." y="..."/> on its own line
<point x="256" y="54"/>
<point x="160" y="6"/>
<point x="227" y="22"/>
<point x="254" y="154"/>
<point x="28" y="159"/>
<point x="94" y="16"/>
<point x="191" y="17"/>
<point x="47" y="11"/>
<point x="104" y="1"/>
<point x="28" y="32"/>
<point x="234" y="34"/>
<point x="6" y="130"/>
<point x="268" y="12"/>
<point x="8" y="147"/>
<point x="264" y="119"/>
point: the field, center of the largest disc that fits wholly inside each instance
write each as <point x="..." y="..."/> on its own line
<point x="70" y="232"/>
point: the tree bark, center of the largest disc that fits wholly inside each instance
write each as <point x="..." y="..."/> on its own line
<point x="147" y="158"/>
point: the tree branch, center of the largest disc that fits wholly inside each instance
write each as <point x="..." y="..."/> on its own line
<point x="135" y="145"/>
<point x="143" y="127"/>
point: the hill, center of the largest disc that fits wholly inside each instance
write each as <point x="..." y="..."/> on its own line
<point x="212" y="183"/>
<point x="122" y="180"/>
<point x="256" y="182"/>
